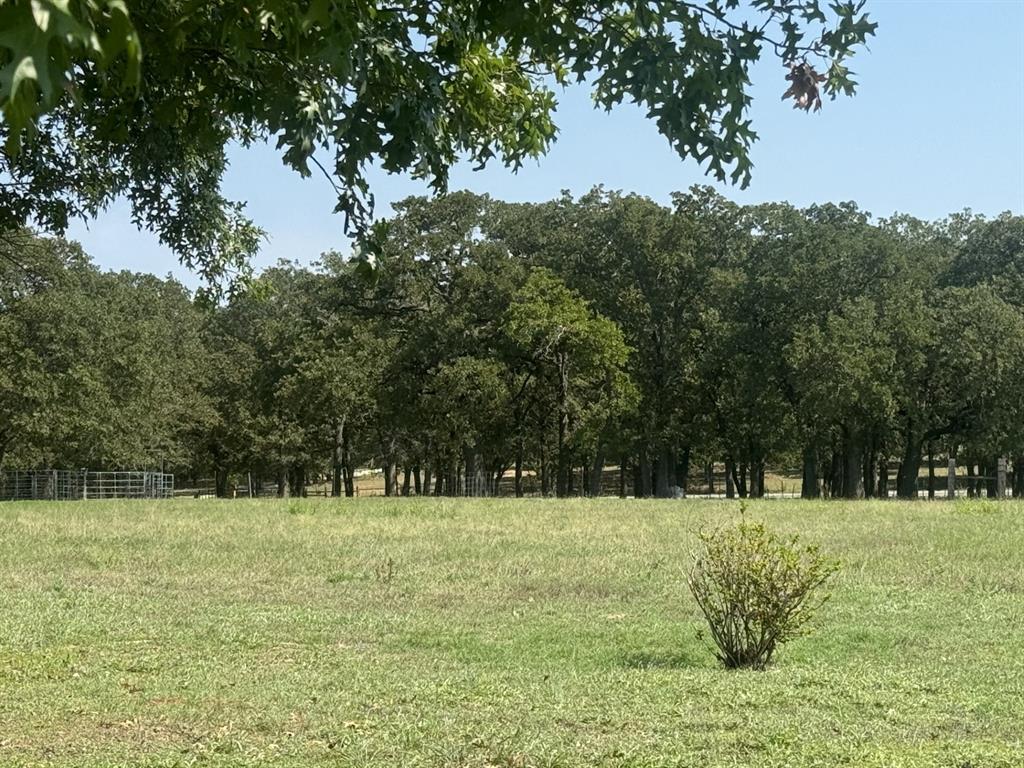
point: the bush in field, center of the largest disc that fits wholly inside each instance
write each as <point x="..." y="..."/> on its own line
<point x="756" y="590"/>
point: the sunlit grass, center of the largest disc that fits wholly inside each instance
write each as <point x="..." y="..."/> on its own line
<point x="426" y="632"/>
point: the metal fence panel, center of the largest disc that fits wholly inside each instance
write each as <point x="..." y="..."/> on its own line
<point x="65" y="485"/>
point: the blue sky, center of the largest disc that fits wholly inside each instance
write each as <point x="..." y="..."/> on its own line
<point x="937" y="126"/>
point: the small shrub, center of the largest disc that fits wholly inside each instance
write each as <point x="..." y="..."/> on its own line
<point x="756" y="590"/>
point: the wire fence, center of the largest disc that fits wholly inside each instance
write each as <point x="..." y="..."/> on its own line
<point x="708" y="481"/>
<point x="65" y="485"/>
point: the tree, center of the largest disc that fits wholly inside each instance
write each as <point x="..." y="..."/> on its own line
<point x="104" y="98"/>
<point x="991" y="253"/>
<point x="37" y="337"/>
<point x="339" y="372"/>
<point x="96" y="369"/>
<point x="289" y="433"/>
<point x="844" y="371"/>
<point x="634" y="260"/>
<point x="544" y="337"/>
<point x="581" y="355"/>
<point x="966" y="388"/>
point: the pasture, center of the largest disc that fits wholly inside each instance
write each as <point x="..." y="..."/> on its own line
<point x="435" y="632"/>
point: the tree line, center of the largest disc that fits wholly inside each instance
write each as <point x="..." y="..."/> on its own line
<point x="542" y="342"/>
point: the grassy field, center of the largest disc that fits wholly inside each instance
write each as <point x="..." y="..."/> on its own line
<point x="425" y="632"/>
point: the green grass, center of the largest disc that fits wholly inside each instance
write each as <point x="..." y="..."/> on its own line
<point x="468" y="633"/>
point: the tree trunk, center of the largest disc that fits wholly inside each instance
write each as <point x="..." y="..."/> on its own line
<point x="407" y="480"/>
<point x="480" y="480"/>
<point x="809" y="488"/>
<point x="682" y="470"/>
<point x="741" y="480"/>
<point x="1018" y="476"/>
<point x="835" y="479"/>
<point x="883" y="477"/>
<point x="622" y="477"/>
<point x="346" y="464"/>
<point x="338" y="457"/>
<point x="597" y="471"/>
<point x="709" y="477"/>
<point x="853" y="463"/>
<point x="545" y="482"/>
<point x="519" y="472"/>
<point x="757" y="478"/>
<point x="471" y="480"/>
<point x="931" y="470"/>
<point x="754" y="488"/>
<point x="644" y="472"/>
<point x="730" y="479"/>
<point x="283" y="491"/>
<point x="990" y="477"/>
<point x="564" y="468"/>
<point x="870" y="460"/>
<point x="221" y="483"/>
<point x="417" y="482"/>
<point x="906" y="476"/>
<point x="661" y="476"/>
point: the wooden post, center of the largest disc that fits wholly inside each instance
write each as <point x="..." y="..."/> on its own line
<point x="1001" y="478"/>
<point x="951" y="478"/>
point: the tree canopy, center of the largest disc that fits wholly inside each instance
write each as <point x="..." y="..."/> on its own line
<point x="541" y="343"/>
<point x="108" y="98"/>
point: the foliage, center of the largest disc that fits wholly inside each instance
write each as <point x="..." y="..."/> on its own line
<point x="98" y="369"/>
<point x="107" y="98"/>
<point x="581" y="355"/>
<point x="756" y="590"/>
<point x="551" y="341"/>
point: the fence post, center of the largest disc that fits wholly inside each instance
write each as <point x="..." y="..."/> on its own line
<point x="951" y="478"/>
<point x="1001" y="478"/>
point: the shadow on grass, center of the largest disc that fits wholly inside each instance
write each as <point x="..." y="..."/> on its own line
<point x="674" y="659"/>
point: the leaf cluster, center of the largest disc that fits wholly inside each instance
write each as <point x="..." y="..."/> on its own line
<point x="108" y="98"/>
